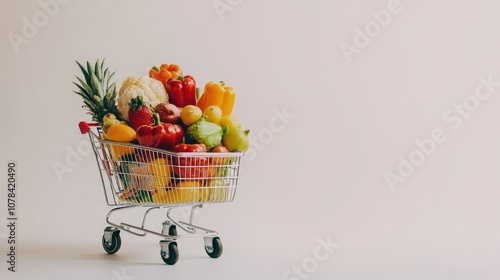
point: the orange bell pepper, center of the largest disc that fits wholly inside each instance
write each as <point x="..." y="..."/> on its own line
<point x="165" y="72"/>
<point x="217" y="94"/>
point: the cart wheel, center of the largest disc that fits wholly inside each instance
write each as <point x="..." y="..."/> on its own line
<point x="215" y="250"/>
<point x="172" y="230"/>
<point x="114" y="244"/>
<point x="172" y="255"/>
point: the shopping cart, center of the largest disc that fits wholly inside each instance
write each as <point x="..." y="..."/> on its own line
<point x="136" y="176"/>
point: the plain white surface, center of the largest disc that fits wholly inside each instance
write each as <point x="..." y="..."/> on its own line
<point x="321" y="176"/>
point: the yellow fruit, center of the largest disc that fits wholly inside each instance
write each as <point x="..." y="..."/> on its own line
<point x="218" y="194"/>
<point x="160" y="170"/>
<point x="213" y="113"/>
<point x="108" y="120"/>
<point x="214" y="191"/>
<point x="117" y="150"/>
<point x="218" y="190"/>
<point x="121" y="133"/>
<point x="190" y="114"/>
<point x="176" y="196"/>
<point x="205" y="194"/>
<point x="236" y="139"/>
<point x="159" y="195"/>
<point x="230" y="122"/>
<point x="184" y="192"/>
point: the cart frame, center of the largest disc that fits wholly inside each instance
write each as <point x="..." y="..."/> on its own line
<point x="213" y="176"/>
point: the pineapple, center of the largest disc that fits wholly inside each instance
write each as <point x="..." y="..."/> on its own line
<point x="96" y="91"/>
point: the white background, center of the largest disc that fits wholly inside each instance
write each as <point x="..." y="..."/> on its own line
<point x="321" y="177"/>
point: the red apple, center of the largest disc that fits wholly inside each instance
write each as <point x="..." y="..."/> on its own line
<point x="169" y="113"/>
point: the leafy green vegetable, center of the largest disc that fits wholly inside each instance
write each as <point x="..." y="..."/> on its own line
<point x="144" y="196"/>
<point x="205" y="132"/>
<point x="123" y="172"/>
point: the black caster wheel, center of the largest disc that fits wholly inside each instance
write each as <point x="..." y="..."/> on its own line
<point x="169" y="253"/>
<point x="172" y="230"/>
<point x="111" y="241"/>
<point x="213" y="247"/>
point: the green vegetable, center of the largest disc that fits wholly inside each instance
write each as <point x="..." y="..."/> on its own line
<point x="124" y="170"/>
<point x="205" y="132"/>
<point x="144" y="196"/>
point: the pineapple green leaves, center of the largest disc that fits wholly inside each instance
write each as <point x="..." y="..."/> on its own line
<point x="98" y="94"/>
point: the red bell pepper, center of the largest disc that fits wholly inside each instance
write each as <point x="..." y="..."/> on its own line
<point x="190" y="148"/>
<point x="193" y="167"/>
<point x="162" y="136"/>
<point x="181" y="91"/>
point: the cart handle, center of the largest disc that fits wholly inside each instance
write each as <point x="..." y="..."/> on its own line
<point x="84" y="129"/>
<point x="85" y="126"/>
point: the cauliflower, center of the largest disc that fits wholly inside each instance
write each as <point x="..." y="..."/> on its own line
<point x="151" y="90"/>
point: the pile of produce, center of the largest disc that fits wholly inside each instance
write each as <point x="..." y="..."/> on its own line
<point x="164" y="110"/>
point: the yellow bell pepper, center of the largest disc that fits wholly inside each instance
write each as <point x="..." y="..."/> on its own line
<point x="217" y="94"/>
<point x="159" y="195"/>
<point x="184" y="192"/>
<point x="120" y="133"/>
<point x="160" y="169"/>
